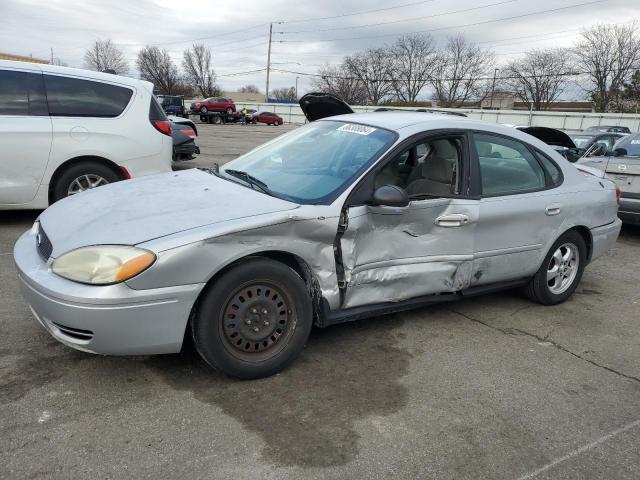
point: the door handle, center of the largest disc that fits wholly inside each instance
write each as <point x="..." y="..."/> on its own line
<point x="552" y="210"/>
<point x="452" y="220"/>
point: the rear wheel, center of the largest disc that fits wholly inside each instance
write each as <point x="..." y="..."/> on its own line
<point x="254" y="320"/>
<point x="561" y="270"/>
<point x="81" y="177"/>
<point x="204" y="109"/>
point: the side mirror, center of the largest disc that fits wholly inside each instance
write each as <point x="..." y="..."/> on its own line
<point x="573" y="154"/>
<point x="620" y="152"/>
<point x="390" y="196"/>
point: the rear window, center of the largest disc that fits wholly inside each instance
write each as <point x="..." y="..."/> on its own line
<point x="22" y="93"/>
<point x="72" y="97"/>
<point x="155" y="110"/>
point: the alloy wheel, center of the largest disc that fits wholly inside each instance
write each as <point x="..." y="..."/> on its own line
<point x="85" y="182"/>
<point x="563" y="268"/>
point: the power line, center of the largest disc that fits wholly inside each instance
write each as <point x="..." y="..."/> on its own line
<point x="452" y="27"/>
<point x="362" y="12"/>
<point x="452" y="12"/>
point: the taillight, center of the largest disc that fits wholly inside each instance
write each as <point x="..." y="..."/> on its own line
<point x="163" y="126"/>
<point x="618" y="194"/>
<point x="189" y="133"/>
<point x="125" y="172"/>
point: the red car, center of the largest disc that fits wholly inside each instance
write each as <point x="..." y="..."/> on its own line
<point x="214" y="104"/>
<point x="269" y="118"/>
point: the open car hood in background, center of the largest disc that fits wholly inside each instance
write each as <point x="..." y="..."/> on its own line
<point x="550" y="136"/>
<point x="317" y="105"/>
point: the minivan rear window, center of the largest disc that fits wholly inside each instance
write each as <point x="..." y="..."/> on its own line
<point x="14" y="93"/>
<point x="73" y="97"/>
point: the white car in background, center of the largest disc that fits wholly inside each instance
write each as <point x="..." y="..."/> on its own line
<point x="65" y="130"/>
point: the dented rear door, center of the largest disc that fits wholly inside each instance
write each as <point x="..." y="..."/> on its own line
<point x="390" y="254"/>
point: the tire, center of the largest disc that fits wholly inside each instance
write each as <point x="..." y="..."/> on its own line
<point x="566" y="259"/>
<point x="239" y="328"/>
<point x="204" y="109"/>
<point x="229" y="111"/>
<point x="82" y="176"/>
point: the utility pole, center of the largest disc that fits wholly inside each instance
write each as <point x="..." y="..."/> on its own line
<point x="51" y="55"/>
<point x="493" y="87"/>
<point x="298" y="97"/>
<point x="268" y="62"/>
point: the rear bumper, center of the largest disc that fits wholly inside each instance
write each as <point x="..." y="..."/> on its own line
<point x="629" y="210"/>
<point x="604" y="238"/>
<point x="110" y="320"/>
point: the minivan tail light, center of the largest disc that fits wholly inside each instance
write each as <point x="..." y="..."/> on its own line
<point x="163" y="126"/>
<point x="618" y="194"/>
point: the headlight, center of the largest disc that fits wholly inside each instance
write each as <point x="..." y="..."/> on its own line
<point x="103" y="264"/>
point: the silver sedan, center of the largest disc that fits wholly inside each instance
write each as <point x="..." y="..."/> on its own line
<point x="347" y="217"/>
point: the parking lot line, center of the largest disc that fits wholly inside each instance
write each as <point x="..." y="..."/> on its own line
<point x="580" y="450"/>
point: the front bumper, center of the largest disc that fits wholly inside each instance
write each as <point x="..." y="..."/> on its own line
<point x="629" y="210"/>
<point x="110" y="320"/>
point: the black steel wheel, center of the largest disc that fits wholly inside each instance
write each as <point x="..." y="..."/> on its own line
<point x="254" y="320"/>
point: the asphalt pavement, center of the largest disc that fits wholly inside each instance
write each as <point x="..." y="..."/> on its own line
<point x="493" y="387"/>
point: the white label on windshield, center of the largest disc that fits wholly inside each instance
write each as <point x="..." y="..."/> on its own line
<point x="354" y="128"/>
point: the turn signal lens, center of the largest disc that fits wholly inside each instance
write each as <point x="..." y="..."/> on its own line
<point x="103" y="264"/>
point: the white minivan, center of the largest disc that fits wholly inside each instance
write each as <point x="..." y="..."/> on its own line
<point x="66" y="130"/>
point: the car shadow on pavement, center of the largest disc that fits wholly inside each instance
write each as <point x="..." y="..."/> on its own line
<point x="307" y="414"/>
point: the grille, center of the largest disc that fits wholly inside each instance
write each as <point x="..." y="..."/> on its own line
<point x="43" y="244"/>
<point x="76" y="333"/>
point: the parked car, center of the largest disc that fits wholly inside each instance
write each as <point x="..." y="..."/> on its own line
<point x="184" y="142"/>
<point x="214" y="104"/>
<point x="594" y="144"/>
<point x="351" y="216"/>
<point x="622" y="165"/>
<point x="608" y="129"/>
<point x="65" y="130"/>
<point x="557" y="139"/>
<point x="269" y="118"/>
<point x="173" y="105"/>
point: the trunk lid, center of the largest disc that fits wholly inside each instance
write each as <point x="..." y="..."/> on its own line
<point x="625" y="171"/>
<point x="317" y="105"/>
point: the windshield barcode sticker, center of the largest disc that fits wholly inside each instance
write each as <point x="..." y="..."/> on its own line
<point x="354" y="128"/>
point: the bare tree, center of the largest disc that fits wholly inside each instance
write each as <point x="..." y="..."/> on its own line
<point x="337" y="81"/>
<point x="104" y="55"/>
<point x="198" y="69"/>
<point x="249" y="89"/>
<point x="539" y="78"/>
<point x="156" y="66"/>
<point x="609" y="53"/>
<point x="413" y="57"/>
<point x="372" y="69"/>
<point x="457" y="72"/>
<point x="283" y="93"/>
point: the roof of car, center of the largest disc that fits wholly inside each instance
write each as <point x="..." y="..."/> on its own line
<point x="72" y="72"/>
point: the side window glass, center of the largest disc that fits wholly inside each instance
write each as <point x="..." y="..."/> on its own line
<point x="72" y="97"/>
<point x="555" y="174"/>
<point x="14" y="93"/>
<point x="507" y="166"/>
<point x="427" y="169"/>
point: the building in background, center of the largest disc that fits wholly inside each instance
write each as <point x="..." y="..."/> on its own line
<point x="21" y="58"/>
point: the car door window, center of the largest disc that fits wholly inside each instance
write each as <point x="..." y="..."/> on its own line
<point x="14" y="93"/>
<point x="73" y="97"/>
<point x="428" y="168"/>
<point x="507" y="166"/>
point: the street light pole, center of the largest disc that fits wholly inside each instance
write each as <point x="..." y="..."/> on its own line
<point x="297" y="87"/>
<point x="493" y="87"/>
<point x="268" y="62"/>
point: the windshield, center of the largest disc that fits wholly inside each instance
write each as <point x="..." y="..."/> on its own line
<point x="581" y="141"/>
<point x="631" y="144"/>
<point x="314" y="163"/>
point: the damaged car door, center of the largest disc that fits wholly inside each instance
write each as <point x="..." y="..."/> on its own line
<point x="393" y="252"/>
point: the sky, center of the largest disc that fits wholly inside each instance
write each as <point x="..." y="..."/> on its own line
<point x="307" y="33"/>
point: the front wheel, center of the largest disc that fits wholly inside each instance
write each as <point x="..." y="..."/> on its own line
<point x="254" y="320"/>
<point x="561" y="270"/>
<point x="229" y="111"/>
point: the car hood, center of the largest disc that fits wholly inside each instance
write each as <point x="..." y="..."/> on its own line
<point x="317" y="105"/>
<point x="550" y="136"/>
<point x="139" y="210"/>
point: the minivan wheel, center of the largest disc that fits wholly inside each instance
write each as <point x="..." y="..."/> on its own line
<point x="561" y="270"/>
<point x="81" y="177"/>
<point x="254" y="320"/>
